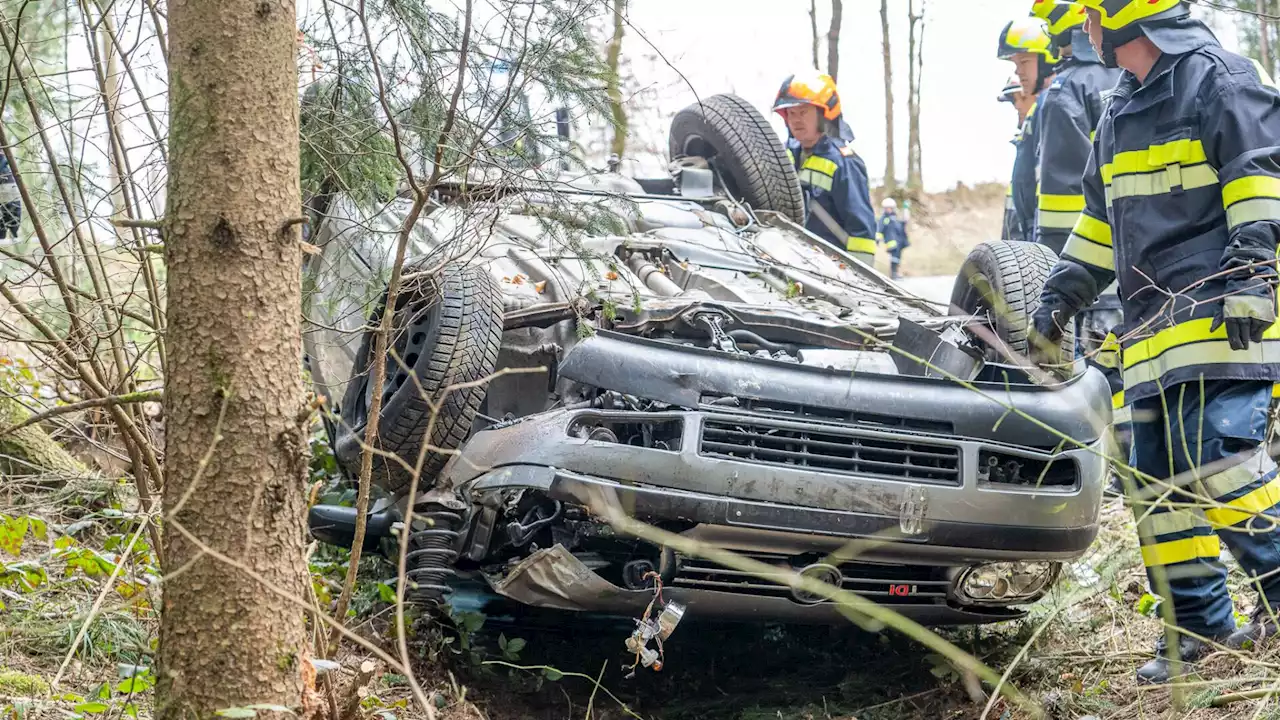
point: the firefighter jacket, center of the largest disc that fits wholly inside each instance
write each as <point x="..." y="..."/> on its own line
<point x="1024" y="175"/>
<point x="893" y="233"/>
<point x="834" y="178"/>
<point x="1069" y="112"/>
<point x="1182" y="199"/>
<point x="1010" y="229"/>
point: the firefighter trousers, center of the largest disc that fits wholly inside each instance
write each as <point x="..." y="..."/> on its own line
<point x="1203" y="474"/>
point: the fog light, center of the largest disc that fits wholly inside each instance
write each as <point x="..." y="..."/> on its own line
<point x="1006" y="583"/>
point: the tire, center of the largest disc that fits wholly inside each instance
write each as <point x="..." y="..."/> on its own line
<point x="448" y="329"/>
<point x="743" y="147"/>
<point x="1016" y="272"/>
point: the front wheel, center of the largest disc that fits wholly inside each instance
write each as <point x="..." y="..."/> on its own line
<point x="1002" y="281"/>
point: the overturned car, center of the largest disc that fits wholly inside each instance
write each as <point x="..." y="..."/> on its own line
<point x="681" y="346"/>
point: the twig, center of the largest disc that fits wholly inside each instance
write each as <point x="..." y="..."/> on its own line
<point x="144" y="224"/>
<point x="114" y="400"/>
<point x="1223" y="700"/>
<point x="592" y="700"/>
<point x="1022" y="652"/>
<point x="584" y="676"/>
<point x="351" y="710"/>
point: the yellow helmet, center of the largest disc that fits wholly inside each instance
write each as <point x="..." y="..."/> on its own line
<point x="1060" y="18"/>
<point x="1120" y="14"/>
<point x="1025" y="35"/>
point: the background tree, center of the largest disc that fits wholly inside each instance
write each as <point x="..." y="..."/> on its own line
<point x="1257" y="29"/>
<point x="612" y="54"/>
<point x="915" y="69"/>
<point x="833" y="39"/>
<point x="236" y="452"/>
<point x="813" y="28"/>
<point x="890" y="162"/>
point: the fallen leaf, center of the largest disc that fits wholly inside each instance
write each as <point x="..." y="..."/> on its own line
<point x="611" y="275"/>
<point x="540" y="286"/>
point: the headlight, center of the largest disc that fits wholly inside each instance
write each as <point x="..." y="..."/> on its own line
<point x="1006" y="583"/>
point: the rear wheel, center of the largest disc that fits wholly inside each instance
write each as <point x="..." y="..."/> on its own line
<point x="743" y="147"/>
<point x="1002" y="280"/>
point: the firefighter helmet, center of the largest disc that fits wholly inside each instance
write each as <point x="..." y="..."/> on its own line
<point x="1061" y="18"/>
<point x="1125" y="20"/>
<point x="1011" y="90"/>
<point x="1025" y="35"/>
<point x="811" y="88"/>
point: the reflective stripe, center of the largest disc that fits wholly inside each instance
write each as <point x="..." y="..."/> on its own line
<point x="861" y="245"/>
<point x="815" y="178"/>
<point x="1181" y="334"/>
<point x="791" y="157"/>
<point x="1057" y="220"/>
<point x="1089" y="252"/>
<point x="1250" y="187"/>
<point x="1093" y="229"/>
<point x="1210" y="352"/>
<point x="1121" y="415"/>
<point x="1252" y="210"/>
<point x="879" y="237"/>
<point x="1231" y="480"/>
<point x="1184" y="151"/>
<point x="1275" y="390"/>
<point x="1163" y="523"/>
<point x="1246" y="506"/>
<point x="1062" y="203"/>
<point x="1008" y="191"/>
<point x="821" y="164"/>
<point x="1117" y="400"/>
<point x="1176" y="551"/>
<point x="1161" y="182"/>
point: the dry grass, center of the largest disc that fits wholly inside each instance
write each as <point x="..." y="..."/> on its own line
<point x="945" y="227"/>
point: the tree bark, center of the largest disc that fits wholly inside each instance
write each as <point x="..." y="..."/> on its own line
<point x="235" y="370"/>
<point x="890" y="162"/>
<point x="1264" y="40"/>
<point x="833" y="40"/>
<point x="915" y="68"/>
<point x="29" y="450"/>
<point x="813" y="26"/>
<point x="614" y="89"/>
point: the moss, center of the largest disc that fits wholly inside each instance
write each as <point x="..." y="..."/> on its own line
<point x="16" y="684"/>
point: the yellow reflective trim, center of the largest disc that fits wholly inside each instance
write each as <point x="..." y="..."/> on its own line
<point x="1062" y="203"/>
<point x="1086" y="251"/>
<point x="1093" y="229"/>
<point x="1249" y="187"/>
<point x="1185" y="151"/>
<point x="1121" y="415"/>
<point x="1236" y="477"/>
<point x="1176" y="551"/>
<point x="1163" y="523"/>
<point x="1253" y="210"/>
<point x="815" y="178"/>
<point x="1214" y="352"/>
<point x="1008" y="191"/>
<point x="791" y="157"/>
<point x="1159" y="183"/>
<point x="861" y="245"/>
<point x="1275" y="390"/>
<point x="1117" y="400"/>
<point x="821" y="164"/>
<point x="1057" y="220"/>
<point x="1180" y="334"/>
<point x="1246" y="506"/>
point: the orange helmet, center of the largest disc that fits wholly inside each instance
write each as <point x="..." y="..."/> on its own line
<point x="811" y="88"/>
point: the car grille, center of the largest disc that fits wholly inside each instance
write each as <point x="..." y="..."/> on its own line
<point x="830" y="449"/>
<point x="886" y="584"/>
<point x="794" y="411"/>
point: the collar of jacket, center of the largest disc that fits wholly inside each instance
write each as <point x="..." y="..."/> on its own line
<point x="1180" y="36"/>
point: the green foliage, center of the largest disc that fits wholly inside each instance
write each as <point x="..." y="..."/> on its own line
<point x="16" y="684"/>
<point x="344" y="145"/>
<point x="1147" y="605"/>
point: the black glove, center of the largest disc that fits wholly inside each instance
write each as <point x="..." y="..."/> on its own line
<point x="10" y="218"/>
<point x="1045" y="336"/>
<point x="1246" y="318"/>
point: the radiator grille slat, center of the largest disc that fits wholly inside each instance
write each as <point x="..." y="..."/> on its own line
<point x="830" y="449"/>
<point x="889" y="584"/>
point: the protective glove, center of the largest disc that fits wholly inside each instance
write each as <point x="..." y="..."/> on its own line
<point x="1246" y="318"/>
<point x="10" y="219"/>
<point x="1045" y="336"/>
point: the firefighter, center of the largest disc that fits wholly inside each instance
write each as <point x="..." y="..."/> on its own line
<point x="1026" y="44"/>
<point x="1068" y="113"/>
<point x="893" y="233"/>
<point x="1182" y="203"/>
<point x="1021" y="102"/>
<point x="833" y="177"/>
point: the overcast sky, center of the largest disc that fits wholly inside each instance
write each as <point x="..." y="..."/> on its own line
<point x="748" y="46"/>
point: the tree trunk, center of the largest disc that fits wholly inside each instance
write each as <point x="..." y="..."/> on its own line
<point x="813" y="26"/>
<point x="915" y="68"/>
<point x="1264" y="40"/>
<point x="29" y="450"/>
<point x="619" y="144"/>
<point x="890" y="162"/>
<point x="235" y="366"/>
<point x="833" y="40"/>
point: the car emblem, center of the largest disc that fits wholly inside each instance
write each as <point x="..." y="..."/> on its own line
<point x="911" y="511"/>
<point x="829" y="574"/>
